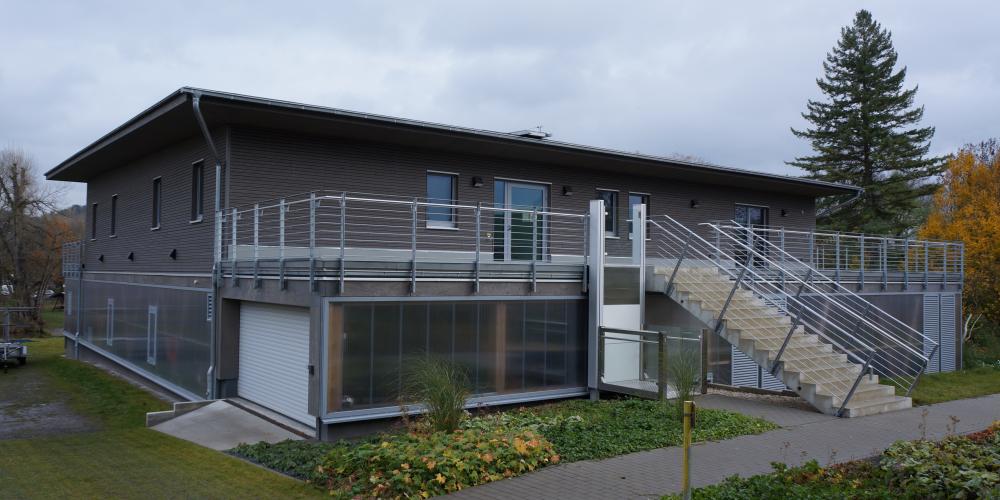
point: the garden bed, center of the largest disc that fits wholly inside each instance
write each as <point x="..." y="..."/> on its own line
<point x="955" y="467"/>
<point x="491" y="446"/>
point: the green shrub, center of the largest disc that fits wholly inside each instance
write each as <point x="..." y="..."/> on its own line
<point x="442" y="387"/>
<point x="295" y="458"/>
<point x="955" y="467"/>
<point x="587" y="430"/>
<point x="414" y="464"/>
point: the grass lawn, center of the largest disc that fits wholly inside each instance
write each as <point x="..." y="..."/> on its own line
<point x="53" y="319"/>
<point x="123" y="459"/>
<point x="939" y="387"/>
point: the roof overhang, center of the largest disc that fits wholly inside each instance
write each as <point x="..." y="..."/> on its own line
<point x="172" y="119"/>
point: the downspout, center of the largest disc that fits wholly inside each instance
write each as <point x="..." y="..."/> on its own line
<point x="196" y="107"/>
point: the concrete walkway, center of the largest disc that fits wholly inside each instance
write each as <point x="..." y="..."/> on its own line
<point x="222" y="426"/>
<point x="656" y="472"/>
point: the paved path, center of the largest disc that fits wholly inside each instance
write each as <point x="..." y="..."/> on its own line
<point x="826" y="439"/>
<point x="222" y="426"/>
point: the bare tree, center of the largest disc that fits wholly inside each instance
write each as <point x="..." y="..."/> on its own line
<point x="27" y="234"/>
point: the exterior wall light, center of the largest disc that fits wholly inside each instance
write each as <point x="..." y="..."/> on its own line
<point x="477" y="182"/>
<point x="567" y="190"/>
<point x="695" y="204"/>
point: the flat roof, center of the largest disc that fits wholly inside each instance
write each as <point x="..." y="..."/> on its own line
<point x="172" y="119"/>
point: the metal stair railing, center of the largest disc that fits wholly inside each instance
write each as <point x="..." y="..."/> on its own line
<point x="676" y="245"/>
<point x="899" y="345"/>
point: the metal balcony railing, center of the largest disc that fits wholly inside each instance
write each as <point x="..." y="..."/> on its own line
<point x="348" y="229"/>
<point x="853" y="327"/>
<point x="857" y="258"/>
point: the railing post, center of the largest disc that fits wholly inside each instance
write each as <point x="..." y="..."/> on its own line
<point x="722" y="313"/>
<point x="837" y="256"/>
<point x="534" y="249"/>
<point x="413" y="246"/>
<point x="232" y="251"/>
<point x="718" y="243"/>
<point x="783" y="259"/>
<point x="661" y="366"/>
<point x="926" y="261"/>
<point x="944" y="267"/>
<point x="312" y="241"/>
<point x="343" y="240"/>
<point x="906" y="263"/>
<point x="812" y="249"/>
<point x="677" y="266"/>
<point x="922" y="369"/>
<point x="861" y="285"/>
<point x="256" y="245"/>
<point x="586" y="252"/>
<point x="281" y="243"/>
<point x="795" y="324"/>
<point x="478" y="210"/>
<point x="854" y="387"/>
<point x="885" y="264"/>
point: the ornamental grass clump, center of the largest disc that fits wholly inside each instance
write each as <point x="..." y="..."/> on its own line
<point x="683" y="369"/>
<point x="442" y="387"/>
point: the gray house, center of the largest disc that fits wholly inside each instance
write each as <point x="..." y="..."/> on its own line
<point x="297" y="256"/>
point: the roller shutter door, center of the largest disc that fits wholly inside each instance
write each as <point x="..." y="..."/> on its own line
<point x="274" y="359"/>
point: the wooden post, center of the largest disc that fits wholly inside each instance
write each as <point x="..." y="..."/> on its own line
<point x="661" y="366"/>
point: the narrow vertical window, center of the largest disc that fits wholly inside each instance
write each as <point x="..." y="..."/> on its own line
<point x="110" y="322"/>
<point x="157" y="201"/>
<point x="151" y="327"/>
<point x="93" y="221"/>
<point x="441" y="189"/>
<point x="637" y="199"/>
<point x="610" y="211"/>
<point x="197" y="191"/>
<point x="113" y="230"/>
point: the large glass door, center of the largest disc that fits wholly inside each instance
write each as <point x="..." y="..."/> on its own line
<point x="521" y="228"/>
<point x="755" y="219"/>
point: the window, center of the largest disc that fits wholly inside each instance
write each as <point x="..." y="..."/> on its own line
<point x="638" y="199"/>
<point x="110" y="326"/>
<point x="610" y="211"/>
<point x="157" y="201"/>
<point x="197" y="191"/>
<point x="114" y="216"/>
<point x="151" y="326"/>
<point x="441" y="189"/>
<point x="93" y="221"/>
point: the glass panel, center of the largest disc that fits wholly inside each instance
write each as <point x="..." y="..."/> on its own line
<point x="506" y="347"/>
<point x="526" y="197"/>
<point x="441" y="189"/>
<point x="610" y="211"/>
<point x="499" y="220"/>
<point x="637" y="199"/>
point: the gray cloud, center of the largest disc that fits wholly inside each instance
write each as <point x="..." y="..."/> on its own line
<point x="721" y="81"/>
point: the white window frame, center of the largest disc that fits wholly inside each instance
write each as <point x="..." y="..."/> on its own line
<point x="649" y="202"/>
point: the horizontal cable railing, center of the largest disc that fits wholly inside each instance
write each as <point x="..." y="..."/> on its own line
<point x="361" y="227"/>
<point x="790" y="294"/>
<point x="863" y="258"/>
<point x="877" y="326"/>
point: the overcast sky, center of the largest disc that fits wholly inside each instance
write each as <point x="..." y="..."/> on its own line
<point x="716" y="80"/>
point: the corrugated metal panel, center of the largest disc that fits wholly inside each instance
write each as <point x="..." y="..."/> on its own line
<point x="274" y="358"/>
<point x="947" y="333"/>
<point x="745" y="371"/>
<point x="932" y="328"/>
<point x="769" y="382"/>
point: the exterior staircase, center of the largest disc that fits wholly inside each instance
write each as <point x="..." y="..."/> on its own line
<point x="808" y="365"/>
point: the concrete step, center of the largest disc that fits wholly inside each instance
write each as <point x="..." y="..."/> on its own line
<point x="862" y="408"/>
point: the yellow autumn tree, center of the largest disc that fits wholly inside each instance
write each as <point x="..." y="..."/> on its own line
<point x="967" y="209"/>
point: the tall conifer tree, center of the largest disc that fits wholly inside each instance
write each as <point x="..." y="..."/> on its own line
<point x="865" y="134"/>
